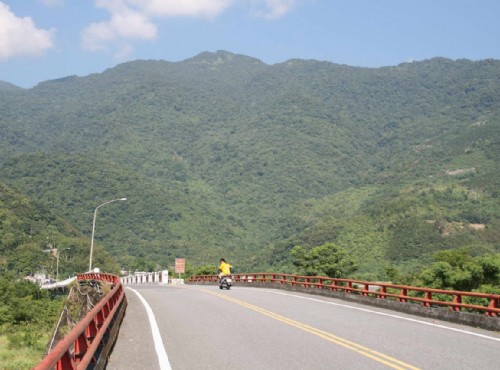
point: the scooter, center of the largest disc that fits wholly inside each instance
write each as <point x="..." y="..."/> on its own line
<point x="225" y="282"/>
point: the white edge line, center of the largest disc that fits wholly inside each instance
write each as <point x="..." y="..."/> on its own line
<point x="390" y="315"/>
<point x="159" y="347"/>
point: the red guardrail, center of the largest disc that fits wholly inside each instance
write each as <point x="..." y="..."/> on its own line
<point x="78" y="348"/>
<point x="402" y="293"/>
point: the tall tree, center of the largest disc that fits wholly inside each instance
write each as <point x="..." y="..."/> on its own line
<point x="325" y="260"/>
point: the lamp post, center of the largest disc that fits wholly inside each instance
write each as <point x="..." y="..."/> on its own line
<point x="93" y="229"/>
<point x="57" y="263"/>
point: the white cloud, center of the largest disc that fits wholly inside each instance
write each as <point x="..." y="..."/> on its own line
<point x="190" y="8"/>
<point x="272" y="9"/>
<point x="132" y="20"/>
<point x="124" y="25"/>
<point x="20" y="37"/>
<point x="52" y="3"/>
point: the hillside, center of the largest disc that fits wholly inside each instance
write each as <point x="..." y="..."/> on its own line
<point x="29" y="231"/>
<point x="8" y="86"/>
<point x="223" y="155"/>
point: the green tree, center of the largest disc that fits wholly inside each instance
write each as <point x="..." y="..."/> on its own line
<point x="454" y="257"/>
<point x="325" y="260"/>
<point x="490" y="264"/>
<point x="458" y="270"/>
<point x="205" y="270"/>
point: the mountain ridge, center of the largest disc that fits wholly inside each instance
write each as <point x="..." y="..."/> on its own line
<point x="237" y="147"/>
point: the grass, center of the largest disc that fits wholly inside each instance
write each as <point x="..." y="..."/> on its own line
<point x="15" y="354"/>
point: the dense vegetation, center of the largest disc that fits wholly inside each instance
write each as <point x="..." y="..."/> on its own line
<point x="223" y="155"/>
<point x="27" y="317"/>
<point x="302" y="167"/>
<point x="30" y="238"/>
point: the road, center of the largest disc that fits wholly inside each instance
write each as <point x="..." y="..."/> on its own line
<point x="202" y="327"/>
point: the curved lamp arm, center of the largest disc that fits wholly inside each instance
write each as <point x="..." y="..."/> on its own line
<point x="93" y="229"/>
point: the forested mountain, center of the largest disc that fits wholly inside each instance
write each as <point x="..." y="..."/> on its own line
<point x="31" y="235"/>
<point x="223" y="155"/>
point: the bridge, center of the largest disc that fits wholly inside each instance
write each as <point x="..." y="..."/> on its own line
<point x="272" y="321"/>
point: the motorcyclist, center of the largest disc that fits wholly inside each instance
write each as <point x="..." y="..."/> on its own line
<point x="224" y="269"/>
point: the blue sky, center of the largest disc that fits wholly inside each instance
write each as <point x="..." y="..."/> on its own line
<point x="48" y="39"/>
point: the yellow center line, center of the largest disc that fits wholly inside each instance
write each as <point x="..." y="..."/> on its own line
<point x="370" y="353"/>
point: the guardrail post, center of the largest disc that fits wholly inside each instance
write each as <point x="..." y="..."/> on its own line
<point x="81" y="346"/>
<point x="494" y="303"/>
<point x="65" y="362"/>
<point x="348" y="288"/>
<point x="334" y="286"/>
<point x="456" y="299"/>
<point x="366" y="290"/>
<point x="91" y="330"/>
<point x="404" y="294"/>
<point x="428" y="298"/>
<point x="382" y="293"/>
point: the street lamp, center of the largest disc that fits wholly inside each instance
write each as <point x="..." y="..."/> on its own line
<point x="93" y="229"/>
<point x="57" y="262"/>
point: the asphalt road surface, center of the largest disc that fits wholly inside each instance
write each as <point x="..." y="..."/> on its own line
<point x="202" y="327"/>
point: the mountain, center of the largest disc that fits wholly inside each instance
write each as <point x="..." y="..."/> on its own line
<point x="31" y="235"/>
<point x="223" y="155"/>
<point x="8" y="86"/>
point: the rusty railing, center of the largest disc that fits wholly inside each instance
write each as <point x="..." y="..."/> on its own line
<point x="90" y="341"/>
<point x="489" y="304"/>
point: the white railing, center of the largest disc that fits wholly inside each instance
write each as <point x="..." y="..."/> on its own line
<point x="158" y="277"/>
<point x="59" y="284"/>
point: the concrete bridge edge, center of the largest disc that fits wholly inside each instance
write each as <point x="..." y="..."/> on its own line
<point x="439" y="313"/>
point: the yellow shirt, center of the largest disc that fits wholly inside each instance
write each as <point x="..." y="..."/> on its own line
<point x="225" y="268"/>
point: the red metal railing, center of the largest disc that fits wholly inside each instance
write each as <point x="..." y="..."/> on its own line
<point x="488" y="303"/>
<point x="78" y="348"/>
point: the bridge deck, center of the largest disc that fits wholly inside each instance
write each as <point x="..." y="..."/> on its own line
<point x="253" y="328"/>
<point x="134" y="348"/>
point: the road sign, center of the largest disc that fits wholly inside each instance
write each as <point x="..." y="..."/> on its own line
<point x="180" y="265"/>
